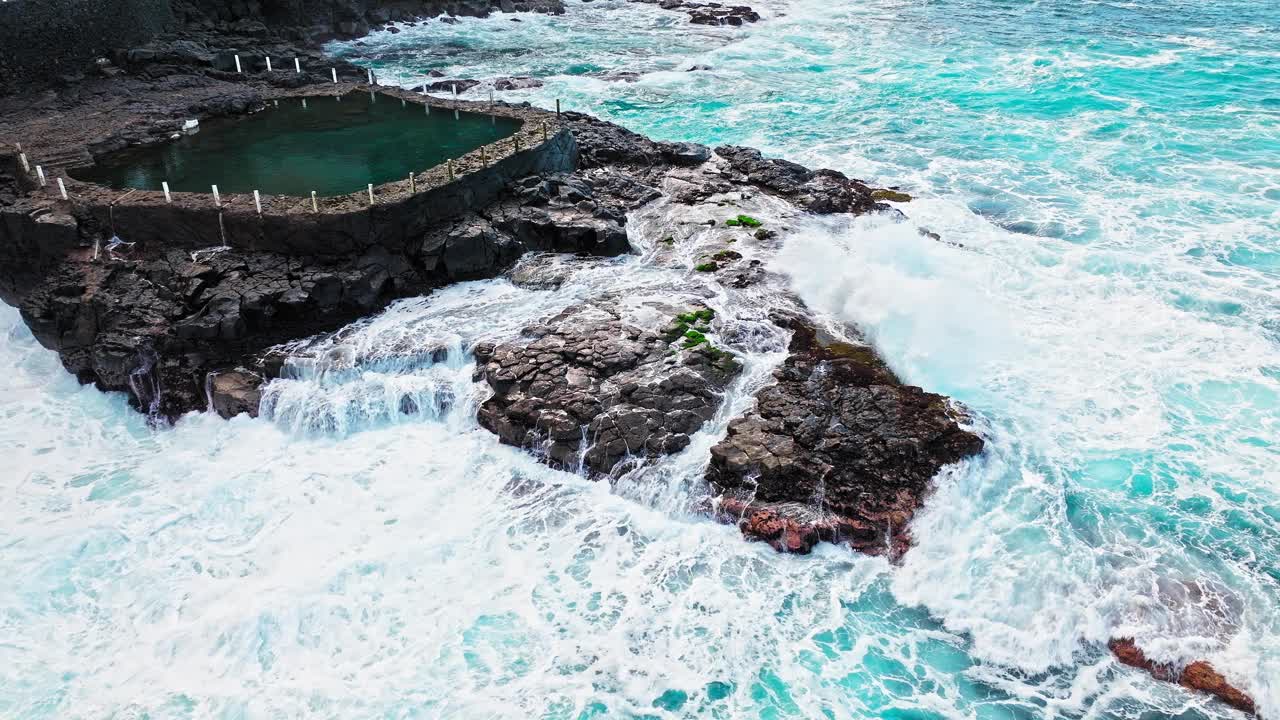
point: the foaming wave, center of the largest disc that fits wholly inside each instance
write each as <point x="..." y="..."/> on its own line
<point x="1098" y="510"/>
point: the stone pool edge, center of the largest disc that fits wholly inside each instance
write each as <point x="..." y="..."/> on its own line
<point x="341" y="224"/>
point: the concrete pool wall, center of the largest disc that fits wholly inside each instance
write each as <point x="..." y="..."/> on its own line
<point x="339" y="225"/>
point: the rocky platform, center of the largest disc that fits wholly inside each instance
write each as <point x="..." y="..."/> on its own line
<point x="588" y="389"/>
<point x="838" y="449"/>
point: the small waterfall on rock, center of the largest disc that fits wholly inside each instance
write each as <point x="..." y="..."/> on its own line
<point x="413" y="363"/>
<point x="145" y="382"/>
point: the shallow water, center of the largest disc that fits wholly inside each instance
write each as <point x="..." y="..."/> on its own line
<point x="1111" y="171"/>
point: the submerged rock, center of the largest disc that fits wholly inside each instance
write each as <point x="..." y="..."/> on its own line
<point x="1198" y="675"/>
<point x="890" y="194"/>
<point x="837" y="450"/>
<point x="712" y="13"/>
<point x="717" y="14"/>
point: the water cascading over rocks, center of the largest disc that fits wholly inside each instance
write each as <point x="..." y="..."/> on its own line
<point x="590" y="388"/>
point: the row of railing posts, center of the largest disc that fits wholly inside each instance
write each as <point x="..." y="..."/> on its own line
<point x="257" y="197"/>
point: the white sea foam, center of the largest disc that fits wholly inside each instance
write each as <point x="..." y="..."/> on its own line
<point x="1109" y="321"/>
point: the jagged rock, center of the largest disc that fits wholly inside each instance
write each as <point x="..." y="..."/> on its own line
<point x="235" y="392"/>
<point x="566" y="231"/>
<point x="1198" y="675"/>
<point x="516" y="83"/>
<point x="890" y="194"/>
<point x="837" y="450"/>
<point x="449" y="86"/>
<point x="60" y="229"/>
<point x="561" y="213"/>
<point x="716" y="14"/>
<point x="587" y="388"/>
<point x="685" y="153"/>
<point x="604" y="144"/>
<point x="713" y="13"/>
<point x="468" y="249"/>
<point x="818" y="191"/>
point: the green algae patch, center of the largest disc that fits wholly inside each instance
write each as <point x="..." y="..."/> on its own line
<point x="890" y="195"/>
<point x="745" y="221"/>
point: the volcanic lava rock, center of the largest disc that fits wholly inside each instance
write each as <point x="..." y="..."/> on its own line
<point x="451" y="85"/>
<point x="588" y="389"/>
<point x="717" y="14"/>
<point x="516" y="83"/>
<point x="235" y="392"/>
<point x="561" y="213"/>
<point x="604" y="144"/>
<point x="712" y="13"/>
<point x="837" y="450"/>
<point x="1198" y="675"/>
<point x="818" y="191"/>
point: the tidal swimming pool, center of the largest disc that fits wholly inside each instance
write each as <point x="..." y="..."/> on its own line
<point x="333" y="145"/>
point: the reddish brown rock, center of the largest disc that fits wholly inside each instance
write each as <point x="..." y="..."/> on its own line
<point x="1199" y="675"/>
<point x="837" y="450"/>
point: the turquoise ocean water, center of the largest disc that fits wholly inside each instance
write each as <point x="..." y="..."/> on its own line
<point x="1112" y="170"/>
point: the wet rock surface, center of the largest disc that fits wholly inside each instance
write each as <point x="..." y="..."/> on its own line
<point x="711" y="13"/>
<point x="838" y="450"/>
<point x="1199" y="675"/>
<point x="818" y="191"/>
<point x="235" y="392"/>
<point x="208" y="312"/>
<point x="589" y="389"/>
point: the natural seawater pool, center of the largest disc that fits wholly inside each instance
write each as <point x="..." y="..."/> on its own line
<point x="333" y="145"/>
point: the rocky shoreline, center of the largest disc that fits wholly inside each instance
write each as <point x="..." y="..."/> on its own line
<point x="183" y="330"/>
<point x="837" y="449"/>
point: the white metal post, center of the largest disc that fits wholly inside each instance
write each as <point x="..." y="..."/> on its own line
<point x="165" y="186"/>
<point x="217" y="199"/>
<point x="370" y="193"/>
<point x="238" y="64"/>
<point x="40" y="173"/>
<point x="268" y="63"/>
<point x="314" y="207"/>
<point x="62" y="189"/>
<point x="335" y="75"/>
<point x="257" y="201"/>
<point x="297" y="66"/>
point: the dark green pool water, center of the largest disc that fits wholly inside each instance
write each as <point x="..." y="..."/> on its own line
<point x="332" y="146"/>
